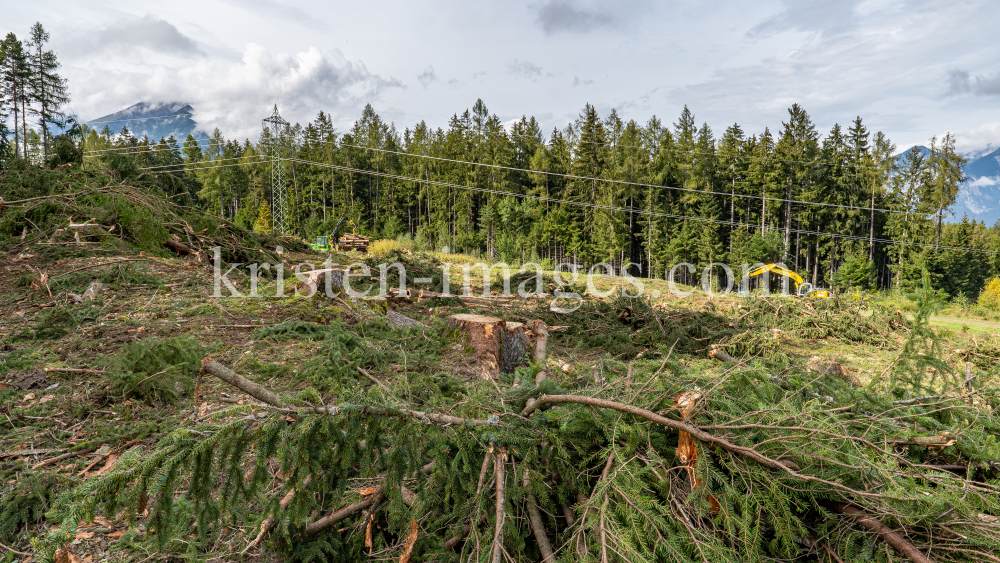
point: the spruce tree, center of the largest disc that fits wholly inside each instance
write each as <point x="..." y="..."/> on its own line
<point x="46" y="88"/>
<point x="14" y="75"/>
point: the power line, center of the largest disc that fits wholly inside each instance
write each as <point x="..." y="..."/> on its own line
<point x="605" y="207"/>
<point x="585" y="178"/>
<point x="195" y="166"/>
<point x="627" y="210"/>
<point x="638" y="184"/>
<point x="610" y="145"/>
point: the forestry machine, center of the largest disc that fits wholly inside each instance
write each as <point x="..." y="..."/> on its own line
<point x="327" y="243"/>
<point x="802" y="287"/>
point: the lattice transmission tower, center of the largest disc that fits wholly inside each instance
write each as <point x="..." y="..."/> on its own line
<point x="275" y="141"/>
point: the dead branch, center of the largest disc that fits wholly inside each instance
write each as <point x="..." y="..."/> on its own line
<point x="548" y="556"/>
<point x="898" y="542"/>
<point x="62" y="457"/>
<point x="268" y="524"/>
<point x="338" y="516"/>
<point x="256" y="391"/>
<point x="75" y="370"/>
<point x="694" y="431"/>
<point x="269" y="397"/>
<point x="501" y="512"/>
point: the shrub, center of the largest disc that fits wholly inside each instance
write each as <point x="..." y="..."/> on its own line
<point x="990" y="297"/>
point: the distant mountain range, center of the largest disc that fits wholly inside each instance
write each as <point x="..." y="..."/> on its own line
<point x="154" y="120"/>
<point x="979" y="197"/>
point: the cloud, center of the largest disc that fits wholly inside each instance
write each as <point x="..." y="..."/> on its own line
<point x="578" y="82"/>
<point x="820" y="16"/>
<point x="561" y="15"/>
<point x="958" y="82"/>
<point x="524" y="69"/>
<point x="234" y="95"/>
<point x="979" y="141"/>
<point x="427" y="76"/>
<point x="962" y="82"/>
<point x="988" y="86"/>
<point x="148" y="32"/>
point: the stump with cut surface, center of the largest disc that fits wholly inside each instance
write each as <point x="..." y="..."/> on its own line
<point x="318" y="281"/>
<point x="500" y="346"/>
<point x="485" y="337"/>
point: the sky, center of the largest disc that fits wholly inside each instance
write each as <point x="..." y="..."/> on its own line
<point x="912" y="69"/>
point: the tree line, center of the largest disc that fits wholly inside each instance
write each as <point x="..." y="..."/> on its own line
<point x="32" y="93"/>
<point x="842" y="209"/>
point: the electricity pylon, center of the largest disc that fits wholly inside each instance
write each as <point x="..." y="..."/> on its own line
<point x="275" y="141"/>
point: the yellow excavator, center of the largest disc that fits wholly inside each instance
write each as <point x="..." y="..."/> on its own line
<point x="802" y="287"/>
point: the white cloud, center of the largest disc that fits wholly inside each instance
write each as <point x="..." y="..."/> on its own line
<point x="426" y="77"/>
<point x="524" y="69"/>
<point x="561" y="15"/>
<point x="124" y="36"/>
<point x="978" y="140"/>
<point x="235" y="95"/>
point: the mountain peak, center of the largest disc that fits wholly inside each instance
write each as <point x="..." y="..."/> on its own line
<point x="152" y="119"/>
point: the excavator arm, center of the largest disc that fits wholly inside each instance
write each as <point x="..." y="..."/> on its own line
<point x="802" y="288"/>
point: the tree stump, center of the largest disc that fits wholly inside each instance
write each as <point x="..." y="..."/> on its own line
<point x="317" y="281"/>
<point x="515" y="343"/>
<point x="501" y="347"/>
<point x="485" y="337"/>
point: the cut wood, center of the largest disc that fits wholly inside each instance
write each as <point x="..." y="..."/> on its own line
<point x="93" y="290"/>
<point x="501" y="513"/>
<point x="501" y="347"/>
<point x="181" y="248"/>
<point x="514" y="346"/>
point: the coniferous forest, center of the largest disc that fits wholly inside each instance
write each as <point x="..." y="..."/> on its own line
<point x="841" y="209"/>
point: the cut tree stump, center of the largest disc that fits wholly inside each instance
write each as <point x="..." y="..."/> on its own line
<point x="316" y="281"/>
<point x="501" y="347"/>
<point x="485" y="337"/>
<point x="515" y="346"/>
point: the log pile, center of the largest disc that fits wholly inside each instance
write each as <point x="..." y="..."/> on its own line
<point x="354" y="242"/>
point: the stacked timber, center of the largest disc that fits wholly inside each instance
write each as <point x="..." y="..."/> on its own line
<point x="354" y="242"/>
